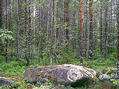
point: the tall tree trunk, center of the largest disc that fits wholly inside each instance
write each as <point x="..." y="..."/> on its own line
<point x="86" y="30"/>
<point x="66" y="17"/>
<point x="118" y="40"/>
<point x="9" y="27"/>
<point x="26" y="33"/>
<point x="58" y="35"/>
<point x="29" y="29"/>
<point x="101" y="27"/>
<point x="6" y="26"/>
<point x="81" y="32"/>
<point x="40" y="44"/>
<point x="47" y="37"/>
<point x="66" y="20"/>
<point x="57" y="22"/>
<point x="17" y="33"/>
<point x="1" y="13"/>
<point x="105" y="29"/>
<point x="110" y="26"/>
<point x="1" y="2"/>
<point x="91" y="30"/>
<point x="52" y="30"/>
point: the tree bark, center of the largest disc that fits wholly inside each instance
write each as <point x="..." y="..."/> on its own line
<point x="1" y="13"/>
<point x="101" y="27"/>
<point x="81" y="32"/>
<point x="66" y="17"/>
<point x="86" y="31"/>
<point x="66" y="21"/>
<point x="17" y="33"/>
<point x="26" y="33"/>
<point x="118" y="40"/>
<point x="105" y="29"/>
<point x="39" y="44"/>
<point x="6" y="26"/>
<point x="91" y="30"/>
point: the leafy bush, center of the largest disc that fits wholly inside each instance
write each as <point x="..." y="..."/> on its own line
<point x="5" y="34"/>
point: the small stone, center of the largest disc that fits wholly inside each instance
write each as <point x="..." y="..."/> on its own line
<point x="104" y="77"/>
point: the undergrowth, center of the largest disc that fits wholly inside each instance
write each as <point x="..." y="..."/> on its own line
<point x="17" y="68"/>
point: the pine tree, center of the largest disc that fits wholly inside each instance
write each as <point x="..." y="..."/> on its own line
<point x="118" y="40"/>
<point x="17" y="31"/>
<point x="81" y="32"/>
<point x="1" y="13"/>
<point x="91" y="29"/>
<point x="26" y="49"/>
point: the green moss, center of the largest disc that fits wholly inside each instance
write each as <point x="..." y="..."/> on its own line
<point x="42" y="73"/>
<point x="108" y="70"/>
<point x="52" y="79"/>
<point x="32" y="75"/>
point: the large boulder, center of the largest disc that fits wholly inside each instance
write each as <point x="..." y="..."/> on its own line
<point x="63" y="74"/>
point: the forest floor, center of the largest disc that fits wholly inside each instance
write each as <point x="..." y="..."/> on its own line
<point x="16" y="69"/>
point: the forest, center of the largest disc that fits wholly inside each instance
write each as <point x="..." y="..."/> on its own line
<point x="59" y="44"/>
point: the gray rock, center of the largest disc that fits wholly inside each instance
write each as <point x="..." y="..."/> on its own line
<point x="5" y="81"/>
<point x="109" y="70"/>
<point x="104" y="77"/>
<point x="63" y="74"/>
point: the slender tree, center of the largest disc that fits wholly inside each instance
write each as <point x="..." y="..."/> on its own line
<point x="1" y="2"/>
<point x="0" y="13"/>
<point x="10" y="26"/>
<point x="91" y="29"/>
<point x="118" y="40"/>
<point x="81" y="31"/>
<point x="17" y="30"/>
<point x="57" y="16"/>
<point x="101" y="27"/>
<point x="66" y="17"/>
<point x="29" y="30"/>
<point x="86" y="29"/>
<point x="105" y="29"/>
<point x="6" y="26"/>
<point x="39" y="44"/>
<point x="66" y="20"/>
<point x="58" y="32"/>
<point x="26" y="33"/>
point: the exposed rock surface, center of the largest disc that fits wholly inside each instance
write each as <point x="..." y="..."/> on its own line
<point x="104" y="77"/>
<point x="107" y="73"/>
<point x="63" y="74"/>
<point x="109" y="70"/>
<point x="5" y="81"/>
